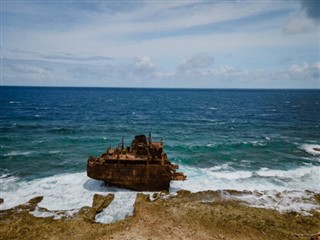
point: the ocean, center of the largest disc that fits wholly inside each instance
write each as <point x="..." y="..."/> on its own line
<point x="260" y="141"/>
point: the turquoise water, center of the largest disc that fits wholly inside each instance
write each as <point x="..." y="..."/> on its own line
<point x="238" y="139"/>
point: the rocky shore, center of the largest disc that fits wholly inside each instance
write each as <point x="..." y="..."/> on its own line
<point x="202" y="215"/>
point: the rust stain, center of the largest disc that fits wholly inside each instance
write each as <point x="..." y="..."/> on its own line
<point x="143" y="166"/>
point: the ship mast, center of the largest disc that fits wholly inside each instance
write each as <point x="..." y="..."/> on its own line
<point x="149" y="139"/>
<point x="122" y="144"/>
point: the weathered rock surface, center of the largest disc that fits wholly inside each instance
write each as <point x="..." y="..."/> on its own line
<point x="99" y="203"/>
<point x="316" y="236"/>
<point x="203" y="215"/>
<point x="87" y="214"/>
<point x="31" y="204"/>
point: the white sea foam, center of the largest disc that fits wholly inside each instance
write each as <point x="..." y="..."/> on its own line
<point x="212" y="145"/>
<point x="70" y="192"/>
<point x="276" y="189"/>
<point x="297" y="201"/>
<point x="17" y="153"/>
<point x="6" y="181"/>
<point x="224" y="166"/>
<point x="40" y="212"/>
<point x="39" y="141"/>
<point x="120" y="208"/>
<point x="233" y="176"/>
<point x="289" y="174"/>
<point x="54" y="151"/>
<point x="256" y="143"/>
<point x="309" y="148"/>
<point x="225" y="177"/>
<point x="67" y="192"/>
<point x="259" y="143"/>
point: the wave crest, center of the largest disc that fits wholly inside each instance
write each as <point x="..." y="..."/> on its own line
<point x="310" y="148"/>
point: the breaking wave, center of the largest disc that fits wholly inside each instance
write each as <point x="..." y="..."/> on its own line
<point x="225" y="177"/>
<point x="310" y="148"/>
<point x="70" y="192"/>
<point x="66" y="192"/>
<point x="17" y="153"/>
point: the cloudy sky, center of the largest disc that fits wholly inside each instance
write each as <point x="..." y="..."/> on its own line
<point x="210" y="44"/>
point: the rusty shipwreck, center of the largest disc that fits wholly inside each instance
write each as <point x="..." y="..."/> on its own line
<point x="143" y="166"/>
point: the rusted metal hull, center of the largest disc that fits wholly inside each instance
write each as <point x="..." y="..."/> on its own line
<point x="143" y="166"/>
<point x="138" y="177"/>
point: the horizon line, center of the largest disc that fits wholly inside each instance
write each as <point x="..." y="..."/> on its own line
<point x="164" y="88"/>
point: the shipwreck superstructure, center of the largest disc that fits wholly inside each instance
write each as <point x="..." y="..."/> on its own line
<point x="143" y="166"/>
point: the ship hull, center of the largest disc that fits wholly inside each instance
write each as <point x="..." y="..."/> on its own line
<point x="138" y="177"/>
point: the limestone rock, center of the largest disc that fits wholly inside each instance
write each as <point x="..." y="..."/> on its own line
<point x="87" y="214"/>
<point x="183" y="193"/>
<point x="315" y="236"/>
<point x="100" y="202"/>
<point x="31" y="204"/>
<point x="142" y="198"/>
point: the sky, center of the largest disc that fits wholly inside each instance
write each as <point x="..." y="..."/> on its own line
<point x="165" y="44"/>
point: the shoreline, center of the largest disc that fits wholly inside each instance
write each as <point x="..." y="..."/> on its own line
<point x="200" y="215"/>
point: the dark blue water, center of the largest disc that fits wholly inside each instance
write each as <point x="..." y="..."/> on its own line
<point x="48" y="131"/>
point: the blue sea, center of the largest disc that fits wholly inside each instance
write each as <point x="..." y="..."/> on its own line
<point x="247" y="140"/>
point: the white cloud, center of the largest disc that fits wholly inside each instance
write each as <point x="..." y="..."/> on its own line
<point x="143" y="67"/>
<point x="26" y="73"/>
<point x="252" y="32"/>
<point x="295" y="68"/>
<point x="143" y="62"/>
<point x="232" y="71"/>
<point x="299" y="23"/>
<point x="296" y="76"/>
<point x="142" y="72"/>
<point x="305" y="72"/>
<point x="200" y="60"/>
<point x="110" y="33"/>
<point x="164" y="17"/>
